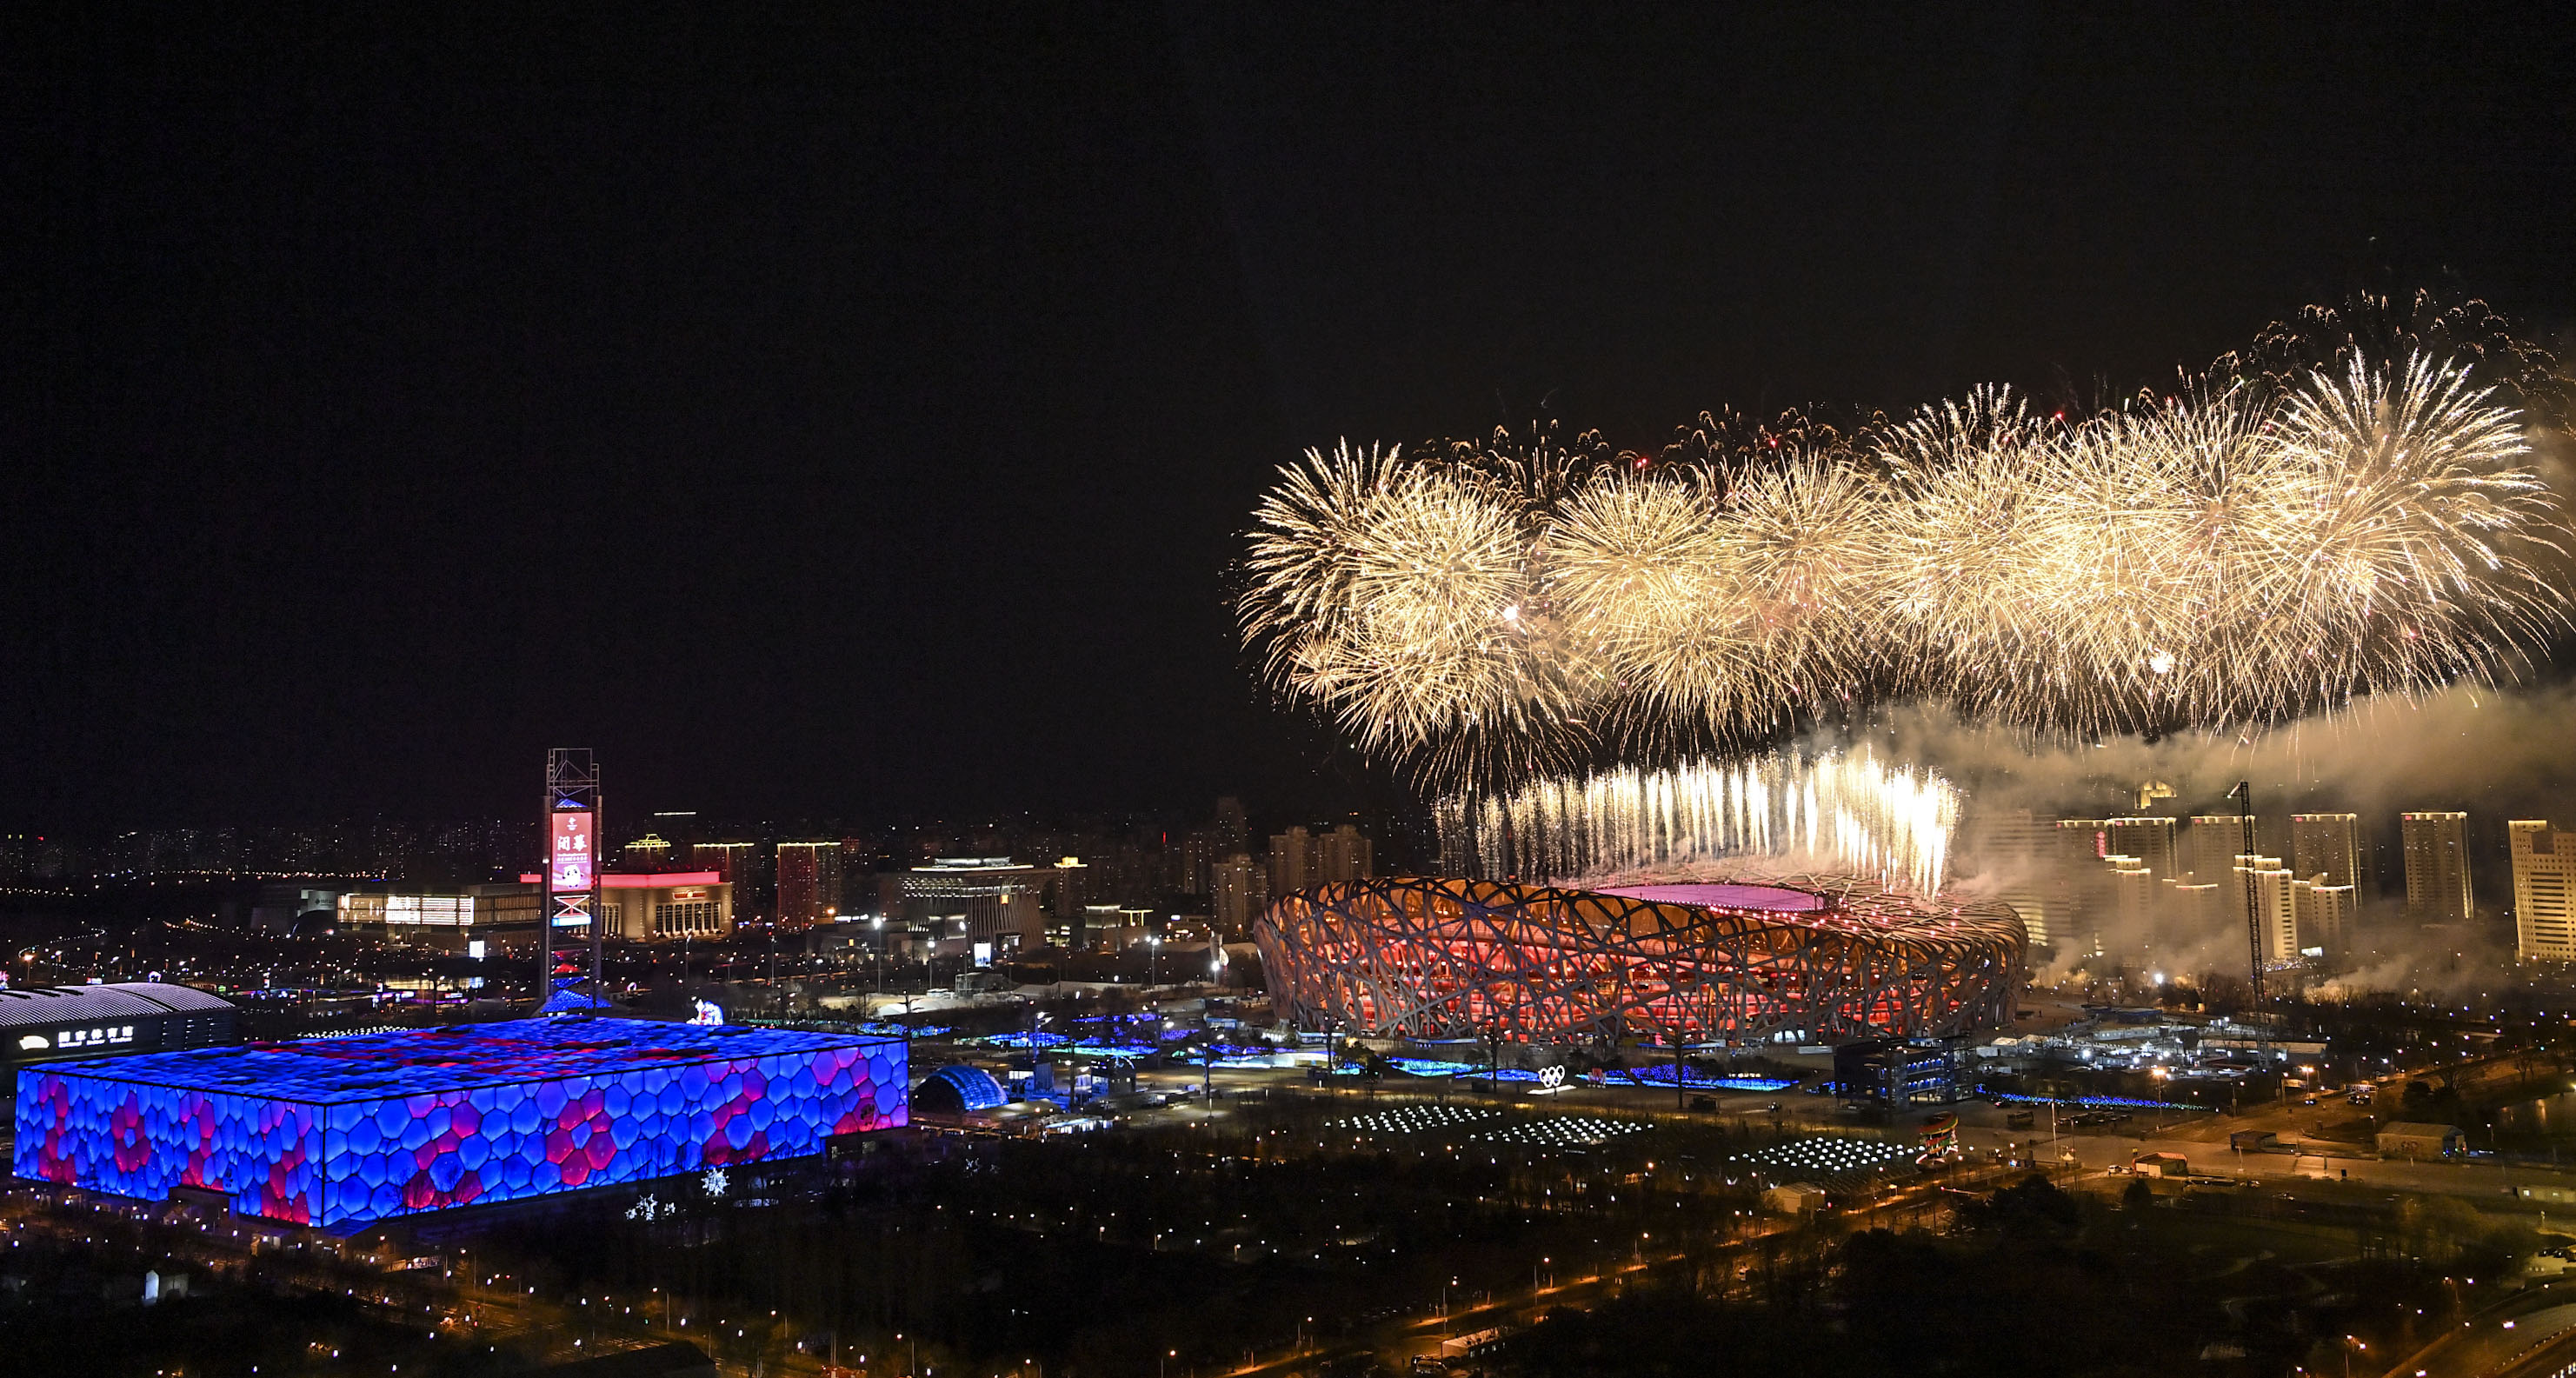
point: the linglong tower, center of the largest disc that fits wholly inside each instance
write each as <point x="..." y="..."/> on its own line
<point x="569" y="949"/>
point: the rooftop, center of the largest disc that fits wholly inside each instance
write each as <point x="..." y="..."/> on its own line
<point x="454" y="1058"/>
<point x="24" y="1005"/>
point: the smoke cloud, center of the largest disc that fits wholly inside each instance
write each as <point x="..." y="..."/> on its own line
<point x="2495" y="755"/>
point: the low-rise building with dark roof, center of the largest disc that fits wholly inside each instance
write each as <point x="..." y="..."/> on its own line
<point x="44" y="1023"/>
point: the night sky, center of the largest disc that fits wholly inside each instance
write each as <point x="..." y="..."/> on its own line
<point x="851" y="411"/>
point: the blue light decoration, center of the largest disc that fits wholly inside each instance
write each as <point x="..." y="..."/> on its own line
<point x="973" y="1087"/>
<point x="1662" y="1075"/>
<point x="2099" y="1102"/>
<point x="341" y="1131"/>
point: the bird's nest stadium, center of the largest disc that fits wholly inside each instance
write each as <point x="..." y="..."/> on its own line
<point x="1810" y="957"/>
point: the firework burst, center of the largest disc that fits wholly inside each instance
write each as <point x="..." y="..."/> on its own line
<point x="2248" y="549"/>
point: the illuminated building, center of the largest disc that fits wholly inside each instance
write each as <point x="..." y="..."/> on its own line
<point x="44" y="1023"/>
<point x="984" y="906"/>
<point x="2276" y="920"/>
<point x="2133" y="900"/>
<point x="1070" y="892"/>
<point x="447" y="920"/>
<point x="732" y="860"/>
<point x="642" y="908"/>
<point x="646" y="853"/>
<point x="2437" y="867"/>
<point x="809" y="883"/>
<point x="334" y="1132"/>
<point x="2544" y="891"/>
<point x="2328" y="845"/>
<point x="2323" y="914"/>
<point x="2081" y="883"/>
<point x="1824" y="958"/>
<point x="666" y="906"/>
<point x="2150" y="840"/>
<point x="2208" y="849"/>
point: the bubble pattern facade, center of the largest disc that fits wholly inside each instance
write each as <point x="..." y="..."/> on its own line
<point x="339" y="1131"/>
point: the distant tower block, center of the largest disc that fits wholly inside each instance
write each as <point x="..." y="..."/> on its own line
<point x="2326" y="845"/>
<point x="569" y="980"/>
<point x="2544" y="891"/>
<point x="2437" y="867"/>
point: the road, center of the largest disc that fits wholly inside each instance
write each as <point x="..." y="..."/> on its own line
<point x="2491" y="1341"/>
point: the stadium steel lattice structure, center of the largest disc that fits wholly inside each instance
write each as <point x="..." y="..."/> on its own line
<point x="1814" y="957"/>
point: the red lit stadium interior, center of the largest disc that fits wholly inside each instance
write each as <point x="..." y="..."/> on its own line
<point x="1812" y="957"/>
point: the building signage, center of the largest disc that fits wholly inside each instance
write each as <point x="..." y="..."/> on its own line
<point x="104" y="1036"/>
<point x="570" y="865"/>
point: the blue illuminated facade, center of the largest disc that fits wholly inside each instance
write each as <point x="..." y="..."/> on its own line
<point x="338" y="1131"/>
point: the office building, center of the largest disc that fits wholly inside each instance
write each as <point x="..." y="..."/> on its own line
<point x="984" y="907"/>
<point x="2437" y="867"/>
<point x="2544" y="878"/>
<point x="809" y="883"/>
<point x="503" y="917"/>
<point x="2323" y="913"/>
<point x="2326" y="845"/>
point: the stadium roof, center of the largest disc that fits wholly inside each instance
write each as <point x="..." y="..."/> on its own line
<point x="24" y="1005"/>
<point x="458" y="1057"/>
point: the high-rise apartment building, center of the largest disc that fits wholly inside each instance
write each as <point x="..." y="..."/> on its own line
<point x="731" y="860"/>
<point x="809" y="882"/>
<point x="2544" y="889"/>
<point x="2150" y="840"/>
<point x="2017" y="850"/>
<point x="2193" y="910"/>
<point x="2327" y="845"/>
<point x="2437" y="867"/>
<point x="2133" y="901"/>
<point x="1240" y="892"/>
<point x="1233" y="830"/>
<point x="2276" y="919"/>
<point x="1292" y="861"/>
<point x="1300" y="858"/>
<point x="1345" y="853"/>
<point x="2323" y="914"/>
<point x="2208" y="849"/>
